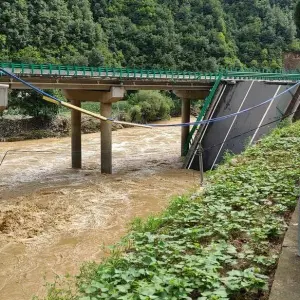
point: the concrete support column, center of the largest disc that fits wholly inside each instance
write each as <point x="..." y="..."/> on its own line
<point x="106" y="140"/>
<point x="185" y="117"/>
<point x="3" y="96"/>
<point x="106" y="98"/>
<point x="76" y="136"/>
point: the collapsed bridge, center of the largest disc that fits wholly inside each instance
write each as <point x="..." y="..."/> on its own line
<point x="225" y="93"/>
<point x="251" y="120"/>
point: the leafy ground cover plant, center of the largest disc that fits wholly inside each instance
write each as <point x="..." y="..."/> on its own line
<point x="222" y="243"/>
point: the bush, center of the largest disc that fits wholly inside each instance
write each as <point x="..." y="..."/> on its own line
<point x="149" y="106"/>
<point x="91" y="106"/>
<point x="135" y="114"/>
<point x="32" y="104"/>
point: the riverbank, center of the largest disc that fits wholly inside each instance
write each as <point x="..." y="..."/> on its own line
<point x="20" y="128"/>
<point x="222" y="243"/>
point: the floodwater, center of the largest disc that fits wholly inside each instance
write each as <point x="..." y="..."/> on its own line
<point x="53" y="218"/>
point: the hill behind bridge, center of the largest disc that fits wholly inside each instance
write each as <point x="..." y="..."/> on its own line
<point x="185" y="35"/>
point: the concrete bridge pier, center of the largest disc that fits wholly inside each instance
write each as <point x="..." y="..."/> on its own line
<point x="106" y="139"/>
<point x="106" y="98"/>
<point x="185" y="118"/>
<point x="186" y="96"/>
<point x="3" y="96"/>
<point x="76" y="136"/>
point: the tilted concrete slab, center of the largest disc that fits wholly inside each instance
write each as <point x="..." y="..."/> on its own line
<point x="233" y="134"/>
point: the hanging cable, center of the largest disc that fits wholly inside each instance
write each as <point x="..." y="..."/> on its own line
<point x="12" y="75"/>
<point x="218" y="119"/>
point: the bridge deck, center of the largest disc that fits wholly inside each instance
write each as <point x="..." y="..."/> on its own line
<point x="75" y="77"/>
<point x="105" y="83"/>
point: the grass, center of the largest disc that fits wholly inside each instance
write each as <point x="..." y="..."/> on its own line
<point x="222" y="243"/>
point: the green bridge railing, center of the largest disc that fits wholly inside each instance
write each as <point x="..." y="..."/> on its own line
<point x="48" y="69"/>
<point x="68" y="70"/>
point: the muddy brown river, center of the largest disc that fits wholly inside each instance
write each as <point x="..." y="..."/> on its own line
<point x="53" y="218"/>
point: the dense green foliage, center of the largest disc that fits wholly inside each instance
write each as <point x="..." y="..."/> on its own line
<point x="177" y="34"/>
<point x="297" y="15"/>
<point x="145" y="106"/>
<point x="221" y="243"/>
<point x="262" y="30"/>
<point x="52" y="31"/>
<point x="31" y="104"/>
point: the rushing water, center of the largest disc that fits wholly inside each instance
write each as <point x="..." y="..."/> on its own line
<point x="53" y="218"/>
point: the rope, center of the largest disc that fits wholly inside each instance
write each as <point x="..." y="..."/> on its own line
<point x="50" y="98"/>
<point x="227" y="116"/>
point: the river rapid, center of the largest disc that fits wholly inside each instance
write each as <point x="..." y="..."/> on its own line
<point x="53" y="218"/>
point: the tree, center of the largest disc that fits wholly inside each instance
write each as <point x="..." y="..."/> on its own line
<point x="32" y="104"/>
<point x="297" y="15"/>
<point x="148" y="106"/>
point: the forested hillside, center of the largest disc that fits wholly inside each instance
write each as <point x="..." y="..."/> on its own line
<point x="175" y="34"/>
